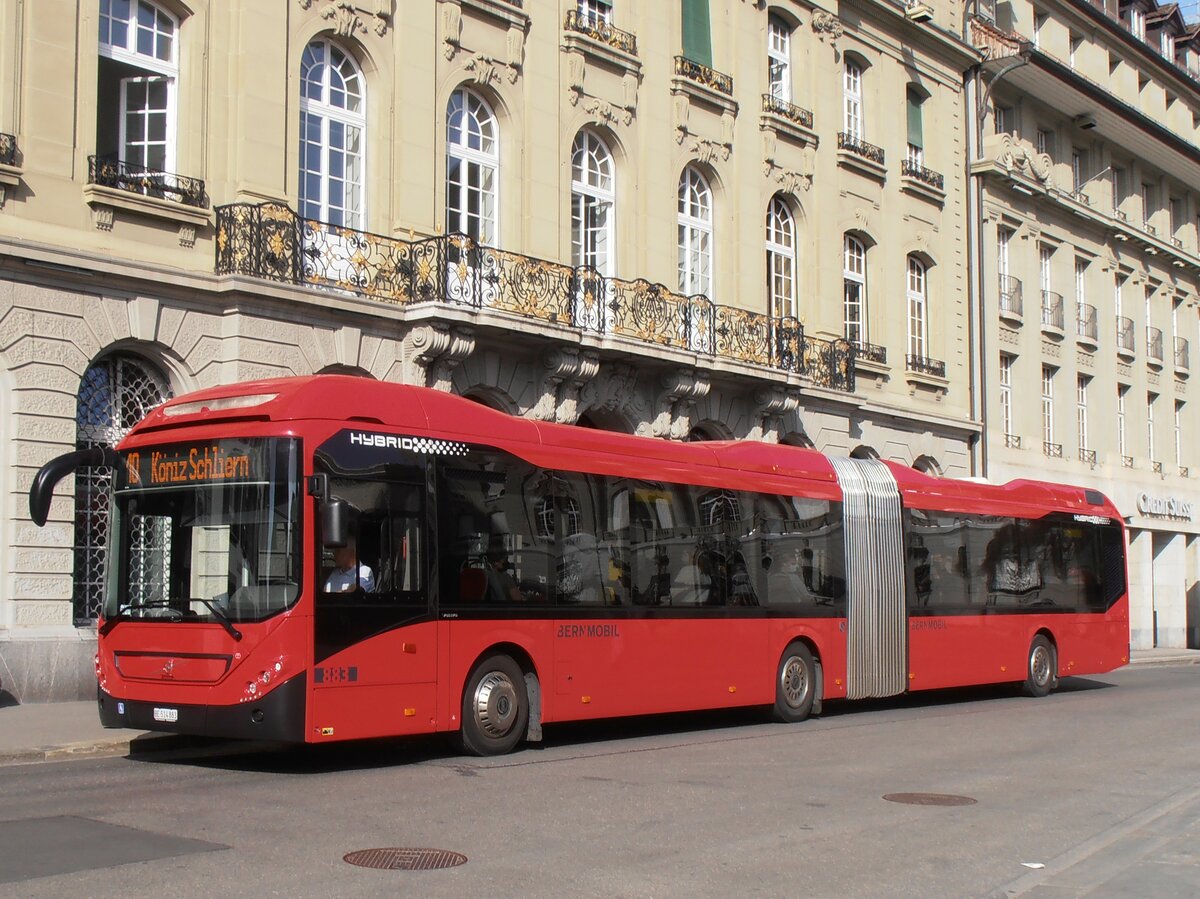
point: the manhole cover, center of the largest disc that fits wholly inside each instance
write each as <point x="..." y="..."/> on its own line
<point x="405" y="859"/>
<point x="929" y="799"/>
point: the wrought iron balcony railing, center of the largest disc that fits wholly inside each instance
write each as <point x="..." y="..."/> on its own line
<point x="1052" y="310"/>
<point x="913" y="169"/>
<point x="8" y="149"/>
<point x="1010" y="296"/>
<point x="1053" y="450"/>
<point x="1154" y="344"/>
<point x="694" y="71"/>
<point x="789" y="111"/>
<point x="1085" y="322"/>
<point x="108" y="171"/>
<point x="598" y="29"/>
<point x="271" y="241"/>
<point x="872" y="352"/>
<point x="1012" y="441"/>
<point x="1125" y="338"/>
<point x="925" y="366"/>
<point x="859" y="147"/>
<point x="1088" y="457"/>
<point x="1182" y="362"/>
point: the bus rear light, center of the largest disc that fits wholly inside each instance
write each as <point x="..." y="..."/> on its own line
<point x="219" y="404"/>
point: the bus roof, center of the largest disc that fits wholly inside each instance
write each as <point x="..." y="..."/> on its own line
<point x="366" y="402"/>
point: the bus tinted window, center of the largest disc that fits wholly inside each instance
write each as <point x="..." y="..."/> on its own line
<point x="968" y="562"/>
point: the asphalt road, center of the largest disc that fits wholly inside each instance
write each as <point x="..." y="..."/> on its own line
<point x="1098" y="783"/>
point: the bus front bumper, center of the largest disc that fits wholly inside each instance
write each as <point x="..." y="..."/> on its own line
<point x="277" y="716"/>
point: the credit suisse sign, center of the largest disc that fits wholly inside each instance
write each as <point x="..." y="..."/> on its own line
<point x="1164" y="507"/>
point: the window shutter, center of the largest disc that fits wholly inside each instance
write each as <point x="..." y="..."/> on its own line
<point x="915" y="136"/>
<point x="697" y="42"/>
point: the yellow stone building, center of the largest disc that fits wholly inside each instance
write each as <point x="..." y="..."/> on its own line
<point x="689" y="219"/>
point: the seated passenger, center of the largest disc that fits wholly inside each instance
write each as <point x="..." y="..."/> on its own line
<point x="502" y="586"/>
<point x="348" y="575"/>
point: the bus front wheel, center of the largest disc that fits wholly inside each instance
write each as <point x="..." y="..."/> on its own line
<point x="495" y="707"/>
<point x="795" y="684"/>
<point x="1042" y="673"/>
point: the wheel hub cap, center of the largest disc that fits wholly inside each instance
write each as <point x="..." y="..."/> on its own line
<point x="495" y="704"/>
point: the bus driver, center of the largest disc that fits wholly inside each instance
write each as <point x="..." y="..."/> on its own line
<point x="347" y="574"/>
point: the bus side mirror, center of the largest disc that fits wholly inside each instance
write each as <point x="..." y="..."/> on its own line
<point x="335" y="523"/>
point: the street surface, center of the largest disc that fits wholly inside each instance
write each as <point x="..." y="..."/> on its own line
<point x="1100" y="783"/>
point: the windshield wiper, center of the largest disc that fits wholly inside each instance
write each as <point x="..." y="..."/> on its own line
<point x="221" y="617"/>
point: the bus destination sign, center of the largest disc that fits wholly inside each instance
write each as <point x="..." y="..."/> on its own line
<point x="188" y="465"/>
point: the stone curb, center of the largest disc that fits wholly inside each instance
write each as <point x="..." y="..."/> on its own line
<point x="1167" y="662"/>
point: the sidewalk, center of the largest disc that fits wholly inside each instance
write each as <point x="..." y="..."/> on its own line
<point x="44" y="732"/>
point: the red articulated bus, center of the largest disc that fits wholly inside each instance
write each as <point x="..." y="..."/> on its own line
<point x="334" y="558"/>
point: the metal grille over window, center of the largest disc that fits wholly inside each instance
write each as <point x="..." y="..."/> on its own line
<point x="114" y="395"/>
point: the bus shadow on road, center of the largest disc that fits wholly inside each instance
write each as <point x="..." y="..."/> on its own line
<point x="625" y="735"/>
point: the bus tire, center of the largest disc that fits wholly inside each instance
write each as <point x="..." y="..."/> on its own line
<point x="495" y="707"/>
<point x="795" y="684"/>
<point x="1042" y="671"/>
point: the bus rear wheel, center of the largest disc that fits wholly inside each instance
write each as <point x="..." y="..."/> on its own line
<point x="1042" y="672"/>
<point x="495" y="707"/>
<point x="795" y="684"/>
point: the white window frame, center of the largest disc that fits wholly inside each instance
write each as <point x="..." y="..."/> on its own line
<point x="593" y="204"/>
<point x="595" y="12"/>
<point x="347" y="116"/>
<point x="854" y="290"/>
<point x="917" y="293"/>
<point x="154" y="66"/>
<point x="781" y="260"/>
<point x="1137" y="22"/>
<point x="478" y="168"/>
<point x="695" y="231"/>
<point x="1081" y="267"/>
<point x="852" y="99"/>
<point x="1122" y="442"/>
<point x="779" y="59"/>
<point x="1150" y="400"/>
<point x="1081" y="403"/>
<point x="1048" y="373"/>
<point x="1006" y="416"/>
<point x="1179" y="432"/>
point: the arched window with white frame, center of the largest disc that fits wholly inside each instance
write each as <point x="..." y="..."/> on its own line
<point x="472" y="168"/>
<point x="593" y="197"/>
<point x="779" y="59"/>
<point x="852" y="99"/>
<point x="918" y="324"/>
<point x="781" y="260"/>
<point x="695" y="234"/>
<point x="333" y="128"/>
<point x="138" y="83"/>
<point x="854" y="283"/>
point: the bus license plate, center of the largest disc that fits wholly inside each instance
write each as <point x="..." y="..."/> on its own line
<point x="170" y="716"/>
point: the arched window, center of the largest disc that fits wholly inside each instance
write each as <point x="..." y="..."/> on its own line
<point x="854" y="277"/>
<point x="852" y="99"/>
<point x="779" y="59"/>
<point x="472" y="167"/>
<point x="593" y="194"/>
<point x="333" y="128"/>
<point x="115" y="394"/>
<point x="695" y="234"/>
<point x="781" y="260"/>
<point x="137" y="82"/>
<point x="918" y="325"/>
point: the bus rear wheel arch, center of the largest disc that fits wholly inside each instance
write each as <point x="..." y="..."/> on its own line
<point x="796" y="683"/>
<point x="1041" y="670"/>
<point x="495" y="706"/>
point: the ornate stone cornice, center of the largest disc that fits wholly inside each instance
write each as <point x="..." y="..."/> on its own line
<point x="432" y="351"/>
<point x="347" y="16"/>
<point x="826" y="24"/>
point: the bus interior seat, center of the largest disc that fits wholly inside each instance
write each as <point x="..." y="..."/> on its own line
<point x="472" y="585"/>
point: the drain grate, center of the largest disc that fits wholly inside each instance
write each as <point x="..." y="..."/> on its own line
<point x="929" y="799"/>
<point x="405" y="859"/>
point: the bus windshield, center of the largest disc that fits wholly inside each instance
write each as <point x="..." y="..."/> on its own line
<point x="206" y="532"/>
